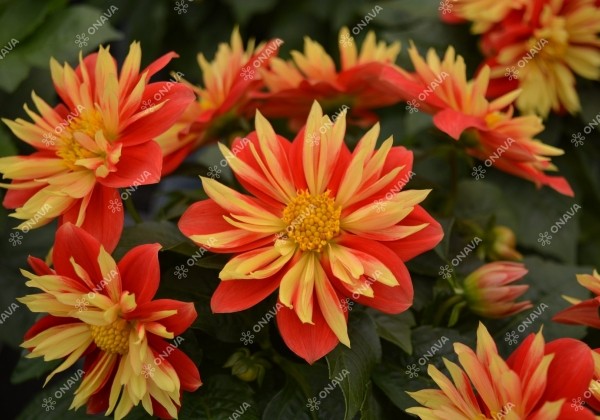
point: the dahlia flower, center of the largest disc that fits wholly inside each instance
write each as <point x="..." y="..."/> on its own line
<point x="97" y="140"/>
<point x="539" y="381"/>
<point x="492" y="133"/>
<point x="583" y="312"/>
<point x="229" y="82"/>
<point x="321" y="225"/>
<point x="103" y="312"/>
<point x="540" y="49"/>
<point x="312" y="75"/>
<point x="483" y="13"/>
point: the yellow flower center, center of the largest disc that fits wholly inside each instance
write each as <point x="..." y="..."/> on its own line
<point x="494" y="118"/>
<point x="312" y="220"/>
<point x="113" y="338"/>
<point x="69" y="149"/>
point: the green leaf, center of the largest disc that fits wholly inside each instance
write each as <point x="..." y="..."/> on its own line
<point x="220" y="397"/>
<point x="430" y="345"/>
<point x="198" y="286"/>
<point x="370" y="410"/>
<point x="395" y="383"/>
<point x="589" y="92"/>
<point x="355" y="364"/>
<point x="243" y="10"/>
<point x="52" y="403"/>
<point x="36" y="242"/>
<point x="165" y="233"/>
<point x="55" y="37"/>
<point x="35" y="368"/>
<point x="13" y="70"/>
<point x="7" y="147"/>
<point x="19" y="18"/>
<point x="394" y="328"/>
<point x="289" y="403"/>
<point x="480" y="200"/>
<point x="539" y="215"/>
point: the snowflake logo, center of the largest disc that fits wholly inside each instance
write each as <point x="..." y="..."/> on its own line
<point x="81" y="40"/>
<point x="281" y="236"/>
<point x="81" y="304"/>
<point x="412" y="371"/>
<point x="413" y="106"/>
<point x="247" y="73"/>
<point x="247" y="338"/>
<point x="48" y="139"/>
<point x="346" y="40"/>
<point x="313" y="139"/>
<point x="48" y="404"/>
<point x="313" y="403"/>
<point x="181" y="271"/>
<point x="512" y="73"/>
<point x="445" y="7"/>
<point x="577" y="404"/>
<point x="379" y="205"/>
<point x="346" y="304"/>
<point x="180" y="7"/>
<point x="15" y="238"/>
<point x="545" y="238"/>
<point x="577" y="139"/>
<point x="214" y="171"/>
<point x="478" y="172"/>
<point x="146" y="105"/>
<point x="148" y="371"/>
<point x="115" y="205"/>
<point x="511" y="338"/>
<point x="446" y="271"/>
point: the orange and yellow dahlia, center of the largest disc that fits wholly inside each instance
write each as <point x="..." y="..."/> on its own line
<point x="584" y="312"/>
<point x="539" y="381"/>
<point x="97" y="140"/>
<point x="322" y="224"/>
<point x="104" y="312"/>
<point x="540" y="48"/>
<point x="312" y="75"/>
<point x="230" y="81"/>
<point x="492" y="134"/>
<point x="483" y="13"/>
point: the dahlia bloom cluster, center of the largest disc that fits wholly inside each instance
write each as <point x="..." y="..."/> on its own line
<point x="316" y="218"/>
<point x="540" y="46"/>
<point x="490" y="129"/>
<point x="538" y="381"/>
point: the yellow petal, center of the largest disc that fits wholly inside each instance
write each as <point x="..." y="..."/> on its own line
<point x="329" y="303"/>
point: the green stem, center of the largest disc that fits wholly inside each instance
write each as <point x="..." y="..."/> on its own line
<point x="444" y="308"/>
<point x="133" y="212"/>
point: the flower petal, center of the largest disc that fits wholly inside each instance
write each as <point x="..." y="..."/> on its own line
<point x="140" y="272"/>
<point x="93" y="215"/>
<point x="237" y="295"/>
<point x="309" y="341"/>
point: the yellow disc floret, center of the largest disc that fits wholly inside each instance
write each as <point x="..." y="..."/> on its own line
<point x="113" y="338"/>
<point x="69" y="149"/>
<point x="312" y="220"/>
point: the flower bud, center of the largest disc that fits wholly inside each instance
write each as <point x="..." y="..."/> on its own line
<point x="487" y="291"/>
<point x="247" y="367"/>
<point x="501" y="245"/>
